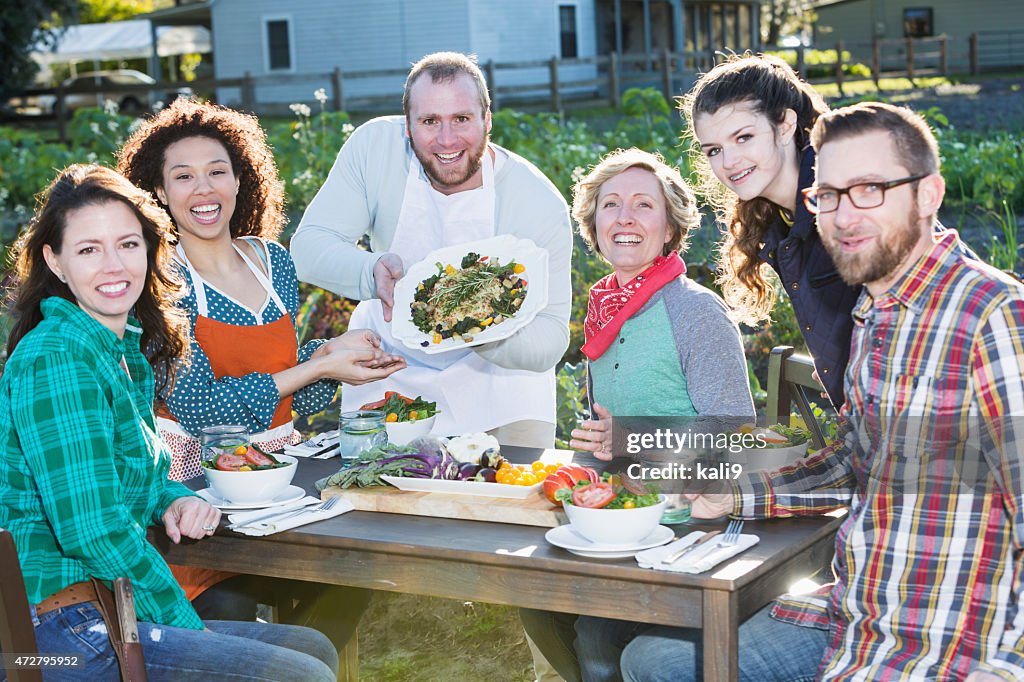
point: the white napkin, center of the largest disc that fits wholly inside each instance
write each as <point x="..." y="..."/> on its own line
<point x="270" y="526"/>
<point x="321" y="446"/>
<point x="702" y="559"/>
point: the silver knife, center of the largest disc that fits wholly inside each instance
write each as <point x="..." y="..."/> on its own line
<point x="273" y="514"/>
<point x="672" y="558"/>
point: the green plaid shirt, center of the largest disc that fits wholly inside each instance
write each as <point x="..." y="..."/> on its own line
<point x="82" y="469"/>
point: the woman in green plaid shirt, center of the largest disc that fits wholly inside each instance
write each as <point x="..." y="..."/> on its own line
<point x="82" y="471"/>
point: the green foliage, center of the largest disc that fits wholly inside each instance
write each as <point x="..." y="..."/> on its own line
<point x="1005" y="254"/>
<point x="570" y="399"/>
<point x="305" y="150"/>
<point x="103" y="11"/>
<point x="983" y="170"/>
<point x="822" y="63"/>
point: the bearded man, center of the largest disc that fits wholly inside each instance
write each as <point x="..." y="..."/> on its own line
<point x="427" y="180"/>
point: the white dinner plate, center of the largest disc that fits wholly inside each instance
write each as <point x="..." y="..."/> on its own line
<point x="290" y="494"/>
<point x="504" y="248"/>
<point x="477" y="488"/>
<point x="567" y="538"/>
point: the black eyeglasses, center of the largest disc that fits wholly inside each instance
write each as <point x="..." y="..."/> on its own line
<point x="862" y="195"/>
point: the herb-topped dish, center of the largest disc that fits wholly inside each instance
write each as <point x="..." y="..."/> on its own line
<point x="461" y="302"/>
<point x="470" y="294"/>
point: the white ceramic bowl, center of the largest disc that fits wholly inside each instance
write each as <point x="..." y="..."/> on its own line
<point x="244" y="487"/>
<point x="615" y="526"/>
<point x="400" y="433"/>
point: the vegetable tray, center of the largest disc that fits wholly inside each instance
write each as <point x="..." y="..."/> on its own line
<point x="532" y="511"/>
<point x="504" y="248"/>
<point x="476" y="488"/>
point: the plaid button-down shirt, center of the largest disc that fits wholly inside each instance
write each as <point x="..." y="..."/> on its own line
<point x="82" y="470"/>
<point x="928" y="562"/>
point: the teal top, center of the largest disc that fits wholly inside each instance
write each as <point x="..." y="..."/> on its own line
<point x="83" y="472"/>
<point x="678" y="356"/>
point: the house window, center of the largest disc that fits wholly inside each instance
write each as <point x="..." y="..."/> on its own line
<point x="917" y="22"/>
<point x="567" y="31"/>
<point x="278" y="44"/>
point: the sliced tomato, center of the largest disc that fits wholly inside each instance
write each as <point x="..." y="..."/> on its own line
<point x="374" y="406"/>
<point x="230" y="462"/>
<point x="593" y="496"/>
<point x="257" y="458"/>
<point x="552" y="484"/>
<point x="580" y="473"/>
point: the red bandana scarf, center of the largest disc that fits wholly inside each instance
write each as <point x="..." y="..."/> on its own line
<point x="611" y="305"/>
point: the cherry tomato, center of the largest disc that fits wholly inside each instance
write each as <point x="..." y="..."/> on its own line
<point x="593" y="496"/>
<point x="551" y="468"/>
<point x="541" y="475"/>
<point x="257" y="458"/>
<point x="629" y="504"/>
<point x="241" y="449"/>
<point x="537" y="466"/>
<point x="528" y="478"/>
<point x="229" y="462"/>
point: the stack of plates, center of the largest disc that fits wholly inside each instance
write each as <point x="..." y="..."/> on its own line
<point x="567" y="538"/>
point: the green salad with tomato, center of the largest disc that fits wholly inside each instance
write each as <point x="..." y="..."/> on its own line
<point x="243" y="458"/>
<point x="606" y="493"/>
<point x="399" y="408"/>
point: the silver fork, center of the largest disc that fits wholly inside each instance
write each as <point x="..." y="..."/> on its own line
<point x="732" y="533"/>
<point x="326" y="505"/>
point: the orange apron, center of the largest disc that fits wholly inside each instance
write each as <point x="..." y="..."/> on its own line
<point x="236" y="350"/>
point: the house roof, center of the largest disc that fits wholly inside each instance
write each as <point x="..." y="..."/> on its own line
<point x="123" y="40"/>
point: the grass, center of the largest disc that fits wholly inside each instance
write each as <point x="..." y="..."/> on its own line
<point x="886" y="86"/>
<point x="407" y="638"/>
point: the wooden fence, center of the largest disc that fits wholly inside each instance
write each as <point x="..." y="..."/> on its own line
<point x="670" y="72"/>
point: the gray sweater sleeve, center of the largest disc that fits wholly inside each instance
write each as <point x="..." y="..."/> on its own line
<point x="710" y="351"/>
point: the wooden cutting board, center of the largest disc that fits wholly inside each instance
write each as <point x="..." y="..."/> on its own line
<point x="533" y="511"/>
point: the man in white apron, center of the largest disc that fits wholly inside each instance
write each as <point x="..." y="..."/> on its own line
<point x="418" y="183"/>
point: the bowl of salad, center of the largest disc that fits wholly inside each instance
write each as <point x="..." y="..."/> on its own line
<point x="405" y="418"/>
<point x="775" y="446"/>
<point x="249" y="475"/>
<point x="606" y="513"/>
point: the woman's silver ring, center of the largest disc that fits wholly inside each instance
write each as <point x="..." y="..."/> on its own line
<point x="209" y="528"/>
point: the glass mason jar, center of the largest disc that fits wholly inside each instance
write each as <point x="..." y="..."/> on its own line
<point x="224" y="438"/>
<point x="358" y="432"/>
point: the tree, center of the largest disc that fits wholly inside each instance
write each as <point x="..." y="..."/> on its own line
<point x="781" y="17"/>
<point x="24" y="25"/>
<point x="102" y="11"/>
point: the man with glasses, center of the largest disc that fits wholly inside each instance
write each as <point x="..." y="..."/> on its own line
<point x="928" y="561"/>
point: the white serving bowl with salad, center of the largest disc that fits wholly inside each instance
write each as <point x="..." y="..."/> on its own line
<point x="252" y="477"/>
<point x="606" y="513"/>
<point x="405" y="418"/>
<point x="777" y="446"/>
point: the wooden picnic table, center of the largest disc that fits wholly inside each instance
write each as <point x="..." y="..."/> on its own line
<point x="514" y="565"/>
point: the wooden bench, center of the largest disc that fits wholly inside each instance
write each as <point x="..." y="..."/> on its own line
<point x="791" y="380"/>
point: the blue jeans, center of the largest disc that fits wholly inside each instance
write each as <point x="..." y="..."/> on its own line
<point x="229" y="650"/>
<point x="769" y="650"/>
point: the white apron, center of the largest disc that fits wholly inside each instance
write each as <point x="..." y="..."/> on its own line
<point x="472" y="394"/>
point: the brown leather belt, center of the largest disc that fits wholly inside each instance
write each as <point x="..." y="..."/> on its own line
<point x="76" y="593"/>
